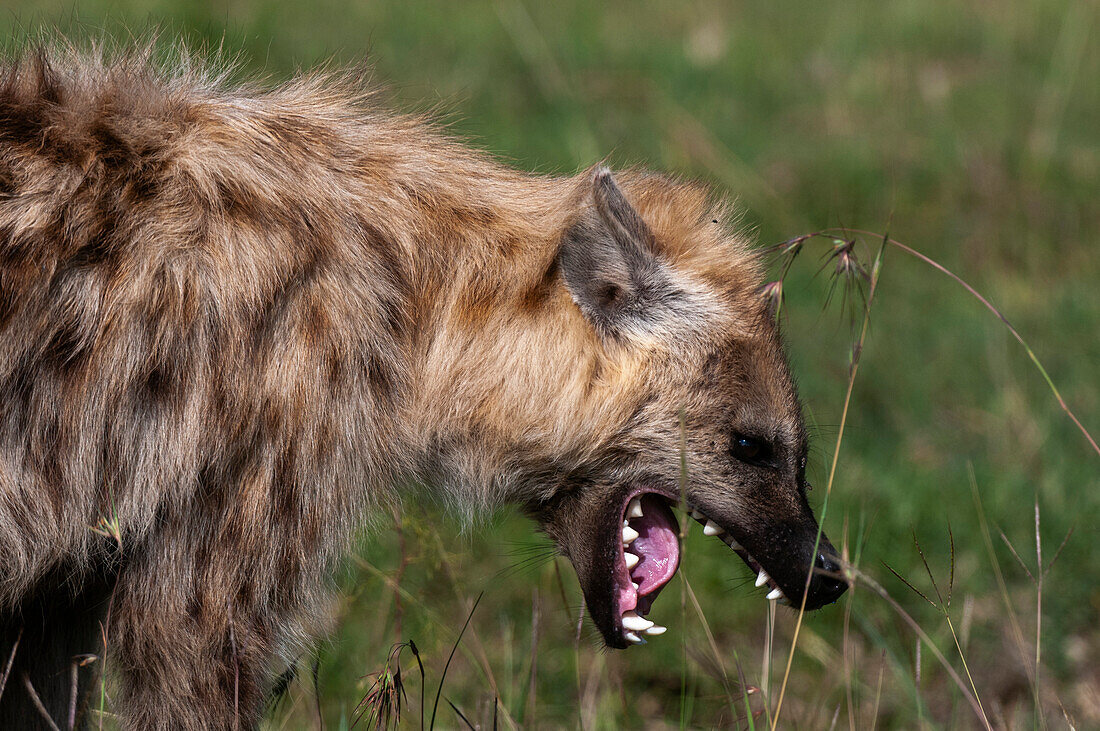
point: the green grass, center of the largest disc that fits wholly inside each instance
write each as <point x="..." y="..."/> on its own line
<point x="969" y="130"/>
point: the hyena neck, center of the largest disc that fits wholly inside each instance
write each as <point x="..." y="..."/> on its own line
<point x="487" y="300"/>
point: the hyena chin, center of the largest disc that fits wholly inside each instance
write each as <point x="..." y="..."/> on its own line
<point x="233" y="321"/>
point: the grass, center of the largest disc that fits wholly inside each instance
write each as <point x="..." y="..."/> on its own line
<point x="966" y="129"/>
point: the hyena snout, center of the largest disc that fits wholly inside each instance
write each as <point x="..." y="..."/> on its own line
<point x="780" y="540"/>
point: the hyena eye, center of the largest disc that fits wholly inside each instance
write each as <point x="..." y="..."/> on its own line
<point x="750" y="450"/>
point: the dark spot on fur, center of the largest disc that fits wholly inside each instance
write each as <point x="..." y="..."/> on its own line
<point x="466" y="217"/>
<point x="380" y="378"/>
<point x="477" y="300"/>
<point x="66" y="348"/>
<point x="112" y="150"/>
<point x="7" y="300"/>
<point x="535" y="297"/>
<point x="94" y="251"/>
<point x="159" y="384"/>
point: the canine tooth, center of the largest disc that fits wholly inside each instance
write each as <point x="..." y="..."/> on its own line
<point x="656" y="630"/>
<point x="634" y="510"/>
<point x="631" y="637"/>
<point x="711" y="529"/>
<point x="631" y="560"/>
<point x="633" y="622"/>
<point x="774" y="594"/>
<point x="629" y="534"/>
<point x="761" y="579"/>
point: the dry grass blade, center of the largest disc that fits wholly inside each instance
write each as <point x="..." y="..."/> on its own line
<point x="951" y="576"/>
<point x="876" y="270"/>
<point x="1059" y="551"/>
<point x="905" y="581"/>
<point x="923" y="636"/>
<point x="78" y="662"/>
<point x="11" y="661"/>
<point x="878" y="690"/>
<point x="1012" y="550"/>
<point x="1004" y="320"/>
<point x="416" y="654"/>
<point x="1017" y="632"/>
<point x="713" y="644"/>
<point x="532" y="683"/>
<point x="450" y="657"/>
<point x="38" y="703"/>
<point x="928" y="570"/>
<point x="317" y="693"/>
<point x="460" y="714"/>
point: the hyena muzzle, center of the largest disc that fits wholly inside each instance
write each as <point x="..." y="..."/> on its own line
<point x="234" y="321"/>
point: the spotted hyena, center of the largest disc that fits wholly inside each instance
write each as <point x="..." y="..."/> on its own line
<point x="234" y="319"/>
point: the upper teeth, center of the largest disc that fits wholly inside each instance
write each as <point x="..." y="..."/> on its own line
<point x="732" y="543"/>
<point x="635" y="625"/>
<point x="710" y="528"/>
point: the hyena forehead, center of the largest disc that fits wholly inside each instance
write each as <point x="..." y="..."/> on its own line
<point x="749" y="384"/>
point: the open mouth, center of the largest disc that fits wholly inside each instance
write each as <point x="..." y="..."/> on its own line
<point x="650" y="555"/>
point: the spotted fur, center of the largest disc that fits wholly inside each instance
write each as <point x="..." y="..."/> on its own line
<point x="234" y="318"/>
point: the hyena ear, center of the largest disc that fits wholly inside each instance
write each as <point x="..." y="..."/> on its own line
<point x="608" y="261"/>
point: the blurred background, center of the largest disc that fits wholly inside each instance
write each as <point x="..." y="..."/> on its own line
<point x="970" y="131"/>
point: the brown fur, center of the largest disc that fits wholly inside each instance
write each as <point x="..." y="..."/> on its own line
<point x="232" y="319"/>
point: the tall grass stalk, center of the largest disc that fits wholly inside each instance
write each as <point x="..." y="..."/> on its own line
<point x="790" y="249"/>
<point x="1000" y="316"/>
<point x="1010" y="611"/>
<point x="857" y="351"/>
<point x="10" y="662"/>
<point x="927" y="641"/>
<point x="446" y="667"/>
<point x="942" y="606"/>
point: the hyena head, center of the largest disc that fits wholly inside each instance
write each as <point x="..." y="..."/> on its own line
<point x="678" y="394"/>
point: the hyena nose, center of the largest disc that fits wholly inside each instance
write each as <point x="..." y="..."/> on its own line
<point x="828" y="583"/>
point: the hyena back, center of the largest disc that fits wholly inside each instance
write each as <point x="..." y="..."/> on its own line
<point x="233" y="319"/>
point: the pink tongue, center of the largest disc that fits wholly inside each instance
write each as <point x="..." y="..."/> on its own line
<point x="658" y="547"/>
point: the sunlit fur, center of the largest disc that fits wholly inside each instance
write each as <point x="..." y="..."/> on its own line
<point x="232" y="320"/>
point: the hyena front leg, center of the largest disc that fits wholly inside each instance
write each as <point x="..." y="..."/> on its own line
<point x="192" y="640"/>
